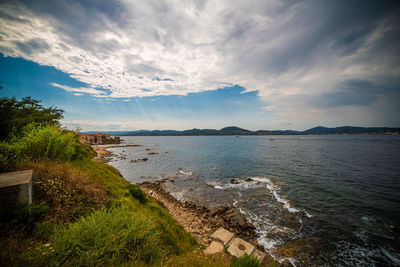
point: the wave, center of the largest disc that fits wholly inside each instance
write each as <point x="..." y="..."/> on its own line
<point x="185" y="172"/>
<point x="257" y="182"/>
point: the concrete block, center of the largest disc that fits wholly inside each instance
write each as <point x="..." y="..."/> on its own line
<point x="238" y="247"/>
<point x="214" y="248"/>
<point x="259" y="255"/>
<point x="222" y="235"/>
<point x="15" y="187"/>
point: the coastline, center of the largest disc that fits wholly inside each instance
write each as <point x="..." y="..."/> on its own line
<point x="104" y="155"/>
<point x="198" y="220"/>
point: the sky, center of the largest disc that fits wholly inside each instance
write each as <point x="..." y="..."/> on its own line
<point x="161" y="64"/>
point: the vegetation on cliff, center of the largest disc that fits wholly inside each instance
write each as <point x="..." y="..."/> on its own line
<point x="84" y="213"/>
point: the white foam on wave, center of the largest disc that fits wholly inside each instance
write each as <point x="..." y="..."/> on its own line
<point x="256" y="182"/>
<point x="178" y="196"/>
<point x="291" y="260"/>
<point x="185" y="172"/>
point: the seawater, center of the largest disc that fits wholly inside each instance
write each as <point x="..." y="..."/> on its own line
<point x="329" y="200"/>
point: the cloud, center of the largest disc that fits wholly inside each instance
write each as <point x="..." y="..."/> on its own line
<point x="90" y="125"/>
<point x="298" y="55"/>
<point x="80" y="90"/>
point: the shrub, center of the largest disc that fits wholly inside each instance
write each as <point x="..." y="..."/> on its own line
<point x="137" y="193"/>
<point x="51" y="143"/>
<point x="48" y="143"/>
<point x="16" y="114"/>
<point x="107" y="237"/>
<point x="245" y="261"/>
<point x="8" y="156"/>
<point x="69" y="191"/>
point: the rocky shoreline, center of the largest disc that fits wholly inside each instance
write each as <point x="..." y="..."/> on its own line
<point x="200" y="221"/>
<point x="104" y="155"/>
<point x="197" y="218"/>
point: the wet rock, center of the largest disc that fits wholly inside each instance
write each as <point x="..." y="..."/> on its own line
<point x="286" y="263"/>
<point x="219" y="211"/>
<point x="249" y="180"/>
<point x="153" y="153"/>
<point x="242" y="223"/>
<point x="234" y="181"/>
<point x="260" y="247"/>
<point x="138" y="160"/>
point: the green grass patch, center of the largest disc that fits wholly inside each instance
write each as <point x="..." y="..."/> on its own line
<point x="111" y="237"/>
<point x="245" y="261"/>
<point x="137" y="193"/>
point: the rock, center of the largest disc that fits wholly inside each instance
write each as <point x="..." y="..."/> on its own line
<point x="286" y="263"/>
<point x="260" y="247"/>
<point x="219" y="211"/>
<point x="145" y="159"/>
<point x="214" y="248"/>
<point x="222" y="235"/>
<point x="238" y="247"/>
<point x="249" y="180"/>
<point x="153" y="153"/>
<point x="259" y="255"/>
<point x="234" y="181"/>
<point x="242" y="223"/>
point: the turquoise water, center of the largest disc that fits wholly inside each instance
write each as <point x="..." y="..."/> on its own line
<point x="337" y="196"/>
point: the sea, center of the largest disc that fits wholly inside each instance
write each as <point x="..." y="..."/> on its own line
<point x="322" y="200"/>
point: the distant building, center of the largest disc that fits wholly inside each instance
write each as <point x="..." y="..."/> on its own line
<point x="98" y="139"/>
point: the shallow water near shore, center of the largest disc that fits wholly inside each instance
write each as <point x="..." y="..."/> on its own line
<point x="322" y="200"/>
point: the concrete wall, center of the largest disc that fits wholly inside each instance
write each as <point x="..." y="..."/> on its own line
<point x="15" y="187"/>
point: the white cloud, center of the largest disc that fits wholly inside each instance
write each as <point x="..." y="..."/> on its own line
<point x="79" y="90"/>
<point x="288" y="52"/>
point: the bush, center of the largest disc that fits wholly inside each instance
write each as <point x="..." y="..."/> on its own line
<point x="245" y="261"/>
<point x="52" y="143"/>
<point x="42" y="143"/>
<point x="107" y="237"/>
<point x="69" y="191"/>
<point x="8" y="156"/>
<point x="48" y="143"/>
<point x="137" y="193"/>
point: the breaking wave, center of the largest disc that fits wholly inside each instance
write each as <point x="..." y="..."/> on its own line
<point x="257" y="182"/>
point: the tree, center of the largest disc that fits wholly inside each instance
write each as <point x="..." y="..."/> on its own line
<point x="15" y="115"/>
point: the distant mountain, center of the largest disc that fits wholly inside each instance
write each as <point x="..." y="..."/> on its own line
<point x="233" y="130"/>
<point x="350" y="130"/>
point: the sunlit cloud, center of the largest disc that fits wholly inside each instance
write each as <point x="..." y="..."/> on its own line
<point x="300" y="56"/>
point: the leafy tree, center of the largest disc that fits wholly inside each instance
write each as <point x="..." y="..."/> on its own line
<point x="16" y="114"/>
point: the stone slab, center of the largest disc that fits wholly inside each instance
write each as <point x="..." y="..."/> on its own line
<point x="238" y="247"/>
<point x="15" y="178"/>
<point x="222" y="235"/>
<point x="15" y="187"/>
<point x="259" y="255"/>
<point x="214" y="248"/>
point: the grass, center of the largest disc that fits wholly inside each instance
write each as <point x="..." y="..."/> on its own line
<point x="103" y="224"/>
<point x="93" y="216"/>
<point x="245" y="261"/>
